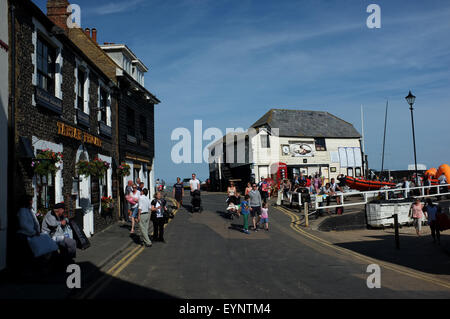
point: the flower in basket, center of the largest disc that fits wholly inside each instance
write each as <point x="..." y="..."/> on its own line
<point x="107" y="202"/>
<point x="99" y="167"/>
<point x="46" y="162"/>
<point x="124" y="170"/>
<point x="84" y="168"/>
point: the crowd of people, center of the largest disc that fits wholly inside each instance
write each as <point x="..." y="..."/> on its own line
<point x="140" y="210"/>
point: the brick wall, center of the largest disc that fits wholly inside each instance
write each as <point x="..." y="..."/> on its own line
<point x="36" y="121"/>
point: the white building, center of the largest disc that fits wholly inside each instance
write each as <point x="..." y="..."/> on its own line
<point x="306" y="141"/>
<point x="4" y="94"/>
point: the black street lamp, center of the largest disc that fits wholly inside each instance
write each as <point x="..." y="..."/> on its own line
<point x="410" y="99"/>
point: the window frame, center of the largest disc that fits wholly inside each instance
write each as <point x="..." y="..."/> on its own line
<point x="318" y="146"/>
<point x="143" y="128"/>
<point x="44" y="52"/>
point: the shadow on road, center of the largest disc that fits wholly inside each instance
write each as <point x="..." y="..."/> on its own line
<point x="54" y="286"/>
<point x="415" y="252"/>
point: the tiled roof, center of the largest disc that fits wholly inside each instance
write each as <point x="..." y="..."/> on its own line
<point x="300" y="123"/>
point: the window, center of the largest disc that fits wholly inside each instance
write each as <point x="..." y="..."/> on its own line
<point x="103" y="106"/>
<point x="350" y="172"/>
<point x="45" y="59"/>
<point x="103" y="181"/>
<point x="130" y="122"/>
<point x="358" y="172"/>
<point x="265" y="141"/>
<point x="127" y="65"/>
<point x="143" y="127"/>
<point x="80" y="93"/>
<point x="320" y="144"/>
<point x="45" y="192"/>
<point x="136" y="174"/>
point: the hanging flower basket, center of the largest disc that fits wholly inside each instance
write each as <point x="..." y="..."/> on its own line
<point x="45" y="162"/>
<point x="95" y="168"/>
<point x="99" y="167"/>
<point x="124" y="170"/>
<point x="107" y="203"/>
<point x="84" y="168"/>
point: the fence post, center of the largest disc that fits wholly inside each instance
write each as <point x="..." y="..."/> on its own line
<point x="306" y="214"/>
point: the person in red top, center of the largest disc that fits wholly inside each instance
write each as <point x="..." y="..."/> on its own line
<point x="308" y="181"/>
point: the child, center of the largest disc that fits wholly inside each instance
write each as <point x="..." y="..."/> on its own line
<point x="265" y="216"/>
<point x="245" y="211"/>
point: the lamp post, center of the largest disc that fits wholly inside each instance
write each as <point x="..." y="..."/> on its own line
<point x="410" y="99"/>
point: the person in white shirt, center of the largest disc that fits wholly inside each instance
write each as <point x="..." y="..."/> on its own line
<point x="406" y="184"/>
<point x="194" y="184"/>
<point x="335" y="188"/>
<point x="144" y="217"/>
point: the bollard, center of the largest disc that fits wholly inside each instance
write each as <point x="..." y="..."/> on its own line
<point x="306" y="214"/>
<point x="397" y="237"/>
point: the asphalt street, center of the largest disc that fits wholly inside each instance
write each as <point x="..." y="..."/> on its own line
<point x="208" y="256"/>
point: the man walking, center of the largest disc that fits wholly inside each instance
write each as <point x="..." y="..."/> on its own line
<point x="178" y="192"/>
<point x="431" y="213"/>
<point x="194" y="184"/>
<point x="255" y="205"/>
<point x="144" y="217"/>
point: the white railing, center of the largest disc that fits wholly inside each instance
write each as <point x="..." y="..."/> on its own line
<point x="386" y="193"/>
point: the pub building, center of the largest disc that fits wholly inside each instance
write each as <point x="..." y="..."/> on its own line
<point x="65" y="115"/>
<point x="136" y="107"/>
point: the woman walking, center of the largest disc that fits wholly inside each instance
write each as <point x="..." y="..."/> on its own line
<point x="133" y="199"/>
<point x="231" y="191"/>
<point x="417" y="212"/>
<point x="157" y="216"/>
<point x="248" y="188"/>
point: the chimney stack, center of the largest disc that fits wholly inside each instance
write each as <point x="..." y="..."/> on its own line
<point x="94" y="34"/>
<point x="57" y="12"/>
<point x="87" y="31"/>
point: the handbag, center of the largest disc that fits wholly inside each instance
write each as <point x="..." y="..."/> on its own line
<point x="42" y="244"/>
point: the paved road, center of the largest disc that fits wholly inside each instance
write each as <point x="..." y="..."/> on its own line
<point x="207" y="256"/>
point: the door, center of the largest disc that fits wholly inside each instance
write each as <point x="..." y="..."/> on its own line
<point x="326" y="174"/>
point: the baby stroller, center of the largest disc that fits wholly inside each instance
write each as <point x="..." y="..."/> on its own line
<point x="196" y="202"/>
<point x="233" y="206"/>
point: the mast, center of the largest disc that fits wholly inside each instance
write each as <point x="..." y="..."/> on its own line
<point x="363" y="155"/>
<point x="362" y="129"/>
<point x="384" y="138"/>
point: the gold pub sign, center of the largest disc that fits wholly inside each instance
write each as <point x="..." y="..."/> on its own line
<point x="72" y="132"/>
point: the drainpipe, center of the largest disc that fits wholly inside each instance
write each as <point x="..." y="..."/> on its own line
<point x="12" y="120"/>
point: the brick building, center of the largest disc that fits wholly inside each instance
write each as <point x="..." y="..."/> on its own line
<point x="64" y="103"/>
<point x="136" y="107"/>
<point x="4" y="94"/>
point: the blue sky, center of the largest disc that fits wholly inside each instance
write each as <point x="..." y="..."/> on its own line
<point x="228" y="62"/>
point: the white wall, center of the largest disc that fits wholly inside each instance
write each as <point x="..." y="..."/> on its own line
<point x="4" y="81"/>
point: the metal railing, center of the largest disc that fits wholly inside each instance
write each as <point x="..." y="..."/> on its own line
<point x="387" y="193"/>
